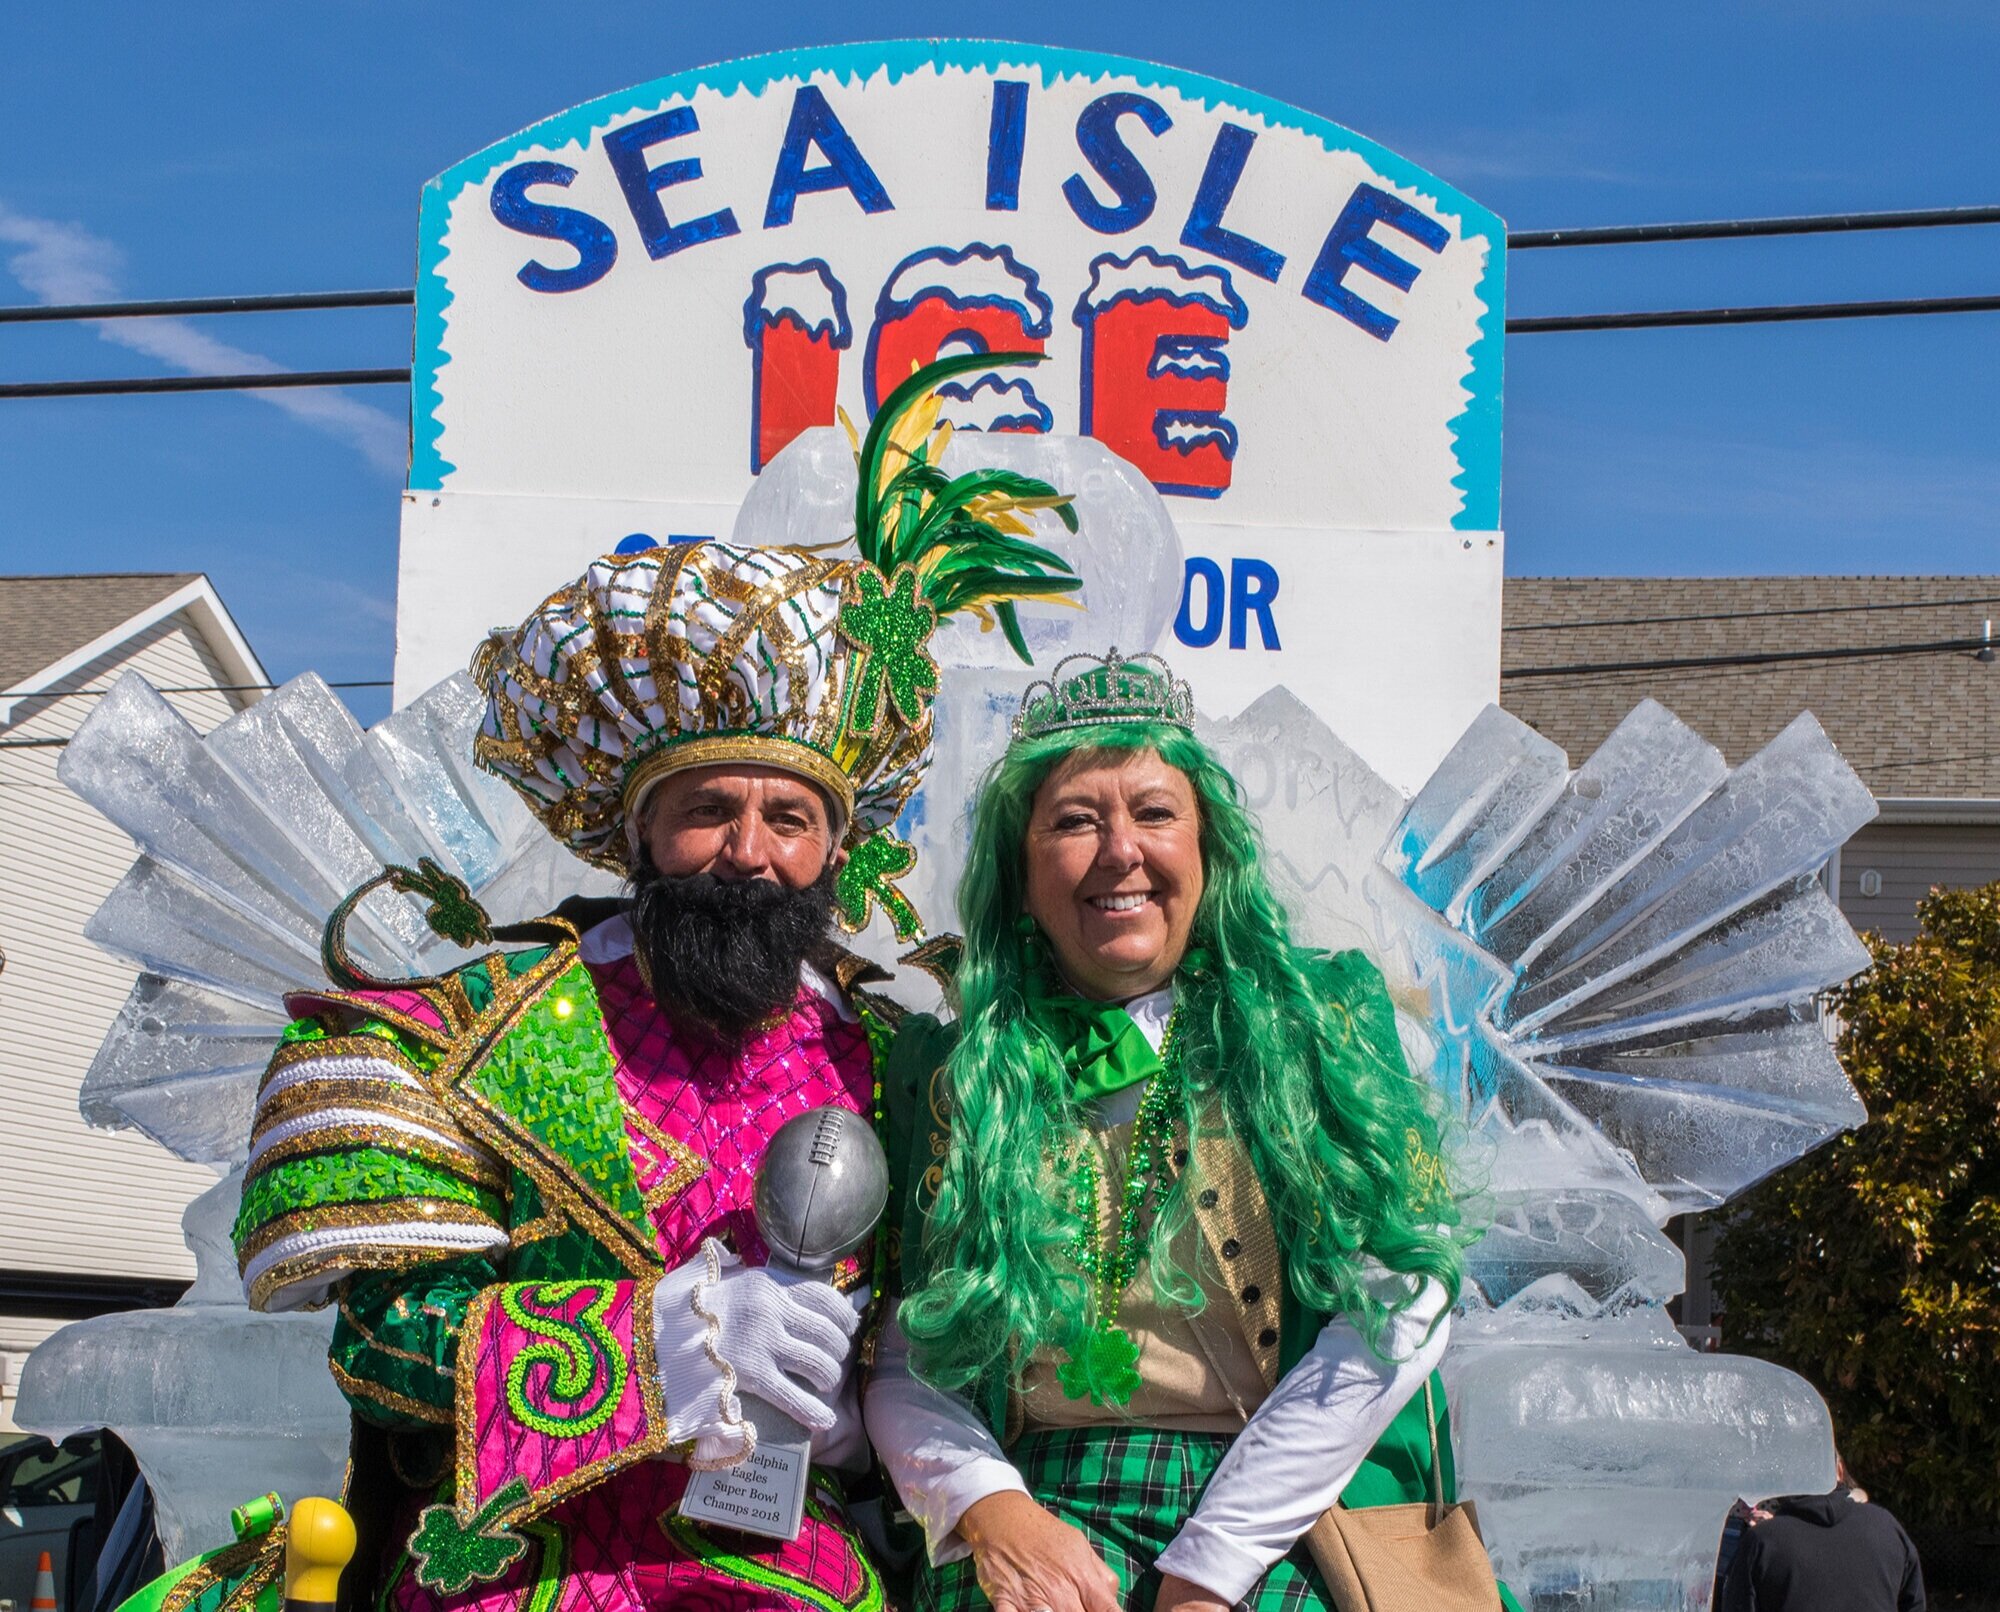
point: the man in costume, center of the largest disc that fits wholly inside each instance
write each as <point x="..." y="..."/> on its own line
<point x="528" y="1183"/>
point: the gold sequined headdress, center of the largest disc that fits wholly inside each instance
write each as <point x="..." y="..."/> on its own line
<point x="791" y="657"/>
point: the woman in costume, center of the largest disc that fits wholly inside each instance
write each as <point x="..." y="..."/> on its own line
<point x="1177" y="1252"/>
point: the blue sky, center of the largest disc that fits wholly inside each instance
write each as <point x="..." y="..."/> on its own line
<point x="165" y="151"/>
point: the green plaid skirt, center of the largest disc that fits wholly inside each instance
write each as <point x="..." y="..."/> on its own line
<point x="1129" y="1490"/>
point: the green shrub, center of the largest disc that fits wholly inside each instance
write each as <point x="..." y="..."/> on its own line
<point x="1872" y="1266"/>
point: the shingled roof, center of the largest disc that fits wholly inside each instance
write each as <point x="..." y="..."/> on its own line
<point x="1913" y="722"/>
<point x="45" y="619"/>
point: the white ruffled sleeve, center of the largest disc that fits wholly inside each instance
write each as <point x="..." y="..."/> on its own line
<point x="1301" y="1447"/>
<point x="933" y="1445"/>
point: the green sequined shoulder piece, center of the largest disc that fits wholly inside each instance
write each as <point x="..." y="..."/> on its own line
<point x="553" y="1074"/>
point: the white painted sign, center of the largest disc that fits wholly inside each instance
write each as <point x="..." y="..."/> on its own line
<point x="1293" y="333"/>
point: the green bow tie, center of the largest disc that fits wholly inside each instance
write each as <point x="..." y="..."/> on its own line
<point x="1103" y="1050"/>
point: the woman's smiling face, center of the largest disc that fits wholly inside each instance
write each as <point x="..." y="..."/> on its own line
<point x="1114" y="870"/>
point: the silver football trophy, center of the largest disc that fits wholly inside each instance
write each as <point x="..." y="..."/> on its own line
<point x="823" y="1184"/>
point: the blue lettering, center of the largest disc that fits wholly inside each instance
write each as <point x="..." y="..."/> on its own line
<point x="627" y="148"/>
<point x="1006" y="138"/>
<point x="1253" y="589"/>
<point x="1097" y="137"/>
<point x="813" y="125"/>
<point x="596" y="247"/>
<point x="1348" y="246"/>
<point x="1204" y="230"/>
<point x="1213" y="592"/>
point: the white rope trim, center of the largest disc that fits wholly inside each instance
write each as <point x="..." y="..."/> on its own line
<point x="419" y="1234"/>
<point x="732" y="1408"/>
<point x="338" y="1066"/>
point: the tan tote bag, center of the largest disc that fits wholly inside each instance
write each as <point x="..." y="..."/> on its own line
<point x="1425" y="1557"/>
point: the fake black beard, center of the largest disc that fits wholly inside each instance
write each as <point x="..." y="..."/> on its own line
<point x="725" y="952"/>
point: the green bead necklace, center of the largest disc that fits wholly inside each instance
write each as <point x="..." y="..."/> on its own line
<point x="1103" y="1361"/>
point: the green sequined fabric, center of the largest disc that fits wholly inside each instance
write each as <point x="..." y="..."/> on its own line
<point x="552" y="1074"/>
<point x="363" y="1176"/>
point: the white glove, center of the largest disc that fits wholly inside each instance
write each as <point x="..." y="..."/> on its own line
<point x="721" y="1328"/>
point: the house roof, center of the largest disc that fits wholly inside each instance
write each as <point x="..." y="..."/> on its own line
<point x="52" y="627"/>
<point x="1918" y="721"/>
<point x="45" y="619"/>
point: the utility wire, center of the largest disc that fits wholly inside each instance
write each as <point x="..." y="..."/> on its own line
<point x="1645" y="319"/>
<point x="1671" y="686"/>
<point x="1518" y="240"/>
<point x="190" y="688"/>
<point x="208" y="383"/>
<point x="1743" y="228"/>
<point x="1768" y="314"/>
<point x="1926" y="761"/>
<point x="275" y="302"/>
<point x="1697" y="665"/>
<point x="1745" y="615"/>
<point x="1769" y="657"/>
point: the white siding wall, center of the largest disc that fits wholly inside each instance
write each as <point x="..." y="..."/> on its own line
<point x="18" y="1335"/>
<point x="72" y="1199"/>
<point x="1911" y="858"/>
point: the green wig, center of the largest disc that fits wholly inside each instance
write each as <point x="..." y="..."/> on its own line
<point x="1345" y="1142"/>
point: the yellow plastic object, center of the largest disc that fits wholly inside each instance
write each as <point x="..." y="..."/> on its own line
<point x="318" y="1544"/>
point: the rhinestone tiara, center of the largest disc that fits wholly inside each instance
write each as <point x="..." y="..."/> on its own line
<point x="1091" y="691"/>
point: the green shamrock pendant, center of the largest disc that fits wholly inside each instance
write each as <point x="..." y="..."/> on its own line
<point x="1103" y="1366"/>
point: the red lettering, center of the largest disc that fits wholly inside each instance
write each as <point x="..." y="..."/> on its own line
<point x="795" y="375"/>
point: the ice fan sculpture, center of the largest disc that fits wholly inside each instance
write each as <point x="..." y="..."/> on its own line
<point x="1610" y="972"/>
<point x="248" y="839"/>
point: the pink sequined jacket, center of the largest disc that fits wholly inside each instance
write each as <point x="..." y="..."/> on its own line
<point x="488" y="1173"/>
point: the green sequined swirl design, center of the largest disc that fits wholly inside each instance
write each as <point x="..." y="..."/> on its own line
<point x="586" y="1365"/>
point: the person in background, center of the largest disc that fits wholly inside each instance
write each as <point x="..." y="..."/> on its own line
<point x="1832" y="1552"/>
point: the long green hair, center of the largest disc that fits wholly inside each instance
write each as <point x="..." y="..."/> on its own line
<point x="1344" y="1141"/>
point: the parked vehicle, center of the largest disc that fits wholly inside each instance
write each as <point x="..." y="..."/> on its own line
<point x="48" y="1502"/>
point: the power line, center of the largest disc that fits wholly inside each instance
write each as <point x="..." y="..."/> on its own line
<point x="189" y="688"/>
<point x="1743" y="228"/>
<point x="207" y="383"/>
<point x="1771" y="657"/>
<point x="1926" y="761"/>
<point x="1672" y="686"/>
<point x="1644" y="319"/>
<point x="1748" y="615"/>
<point x="1720" y="668"/>
<point x="1768" y="314"/>
<point x="274" y="302"/>
<point x="1518" y="240"/>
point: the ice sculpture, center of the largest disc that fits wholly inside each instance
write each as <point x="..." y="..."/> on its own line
<point x="217" y="1402"/>
<point x="1611" y="976"/>
<point x="247" y="839"/>
<point x="1124" y="548"/>
<point x="1609" y="973"/>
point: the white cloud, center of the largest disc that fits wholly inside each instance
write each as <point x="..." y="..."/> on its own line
<point x="57" y="263"/>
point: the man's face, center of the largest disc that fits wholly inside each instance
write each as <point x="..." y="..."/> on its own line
<point x="740" y="822"/>
<point x="733" y="889"/>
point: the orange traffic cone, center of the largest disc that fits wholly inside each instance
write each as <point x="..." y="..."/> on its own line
<point x="45" y="1586"/>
